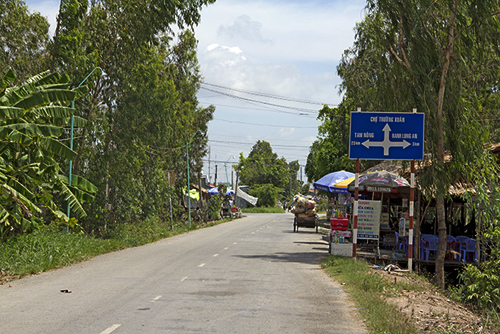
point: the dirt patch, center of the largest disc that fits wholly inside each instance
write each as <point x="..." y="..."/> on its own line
<point x="7" y="278"/>
<point x="432" y="312"/>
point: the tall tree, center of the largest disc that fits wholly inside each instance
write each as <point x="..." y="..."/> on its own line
<point x="143" y="109"/>
<point x="23" y="40"/>
<point x="263" y="167"/>
<point x="439" y="56"/>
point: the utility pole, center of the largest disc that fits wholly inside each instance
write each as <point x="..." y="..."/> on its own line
<point x="209" y="175"/>
<point x="215" y="180"/>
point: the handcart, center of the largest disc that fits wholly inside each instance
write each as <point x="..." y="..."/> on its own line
<point x="303" y="220"/>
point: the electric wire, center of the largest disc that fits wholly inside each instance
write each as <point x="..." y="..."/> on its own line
<point x="267" y="95"/>
<point x="310" y="111"/>
<point x="269" y="125"/>
<point x="243" y="143"/>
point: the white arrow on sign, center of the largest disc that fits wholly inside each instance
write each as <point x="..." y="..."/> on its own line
<point x="386" y="144"/>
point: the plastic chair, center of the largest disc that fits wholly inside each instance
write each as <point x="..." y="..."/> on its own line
<point x="452" y="248"/>
<point x="423" y="243"/>
<point x="431" y="245"/>
<point x="461" y="240"/>
<point x="470" y="248"/>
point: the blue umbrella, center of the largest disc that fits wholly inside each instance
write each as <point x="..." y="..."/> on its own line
<point x="327" y="182"/>
<point x="213" y="191"/>
<point x="230" y="192"/>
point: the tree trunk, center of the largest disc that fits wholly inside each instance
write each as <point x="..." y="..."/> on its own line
<point x="439" y="268"/>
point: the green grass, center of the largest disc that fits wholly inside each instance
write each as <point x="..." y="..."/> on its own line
<point x="367" y="290"/>
<point x="52" y="248"/>
<point x="275" y="209"/>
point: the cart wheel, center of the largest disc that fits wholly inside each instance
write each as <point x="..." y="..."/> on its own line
<point x="316" y="226"/>
<point x="329" y="247"/>
<point x="295" y="225"/>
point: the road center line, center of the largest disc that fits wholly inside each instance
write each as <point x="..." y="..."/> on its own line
<point x="183" y="279"/>
<point x="110" y="329"/>
<point x="215" y="255"/>
<point x="226" y="248"/>
<point x="201" y="265"/>
<point x="156" y="298"/>
<point x="235" y="243"/>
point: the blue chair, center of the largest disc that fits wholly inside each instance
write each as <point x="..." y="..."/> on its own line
<point x="423" y="243"/>
<point x="470" y="248"/>
<point x="452" y="248"/>
<point x="461" y="239"/>
<point x="430" y="245"/>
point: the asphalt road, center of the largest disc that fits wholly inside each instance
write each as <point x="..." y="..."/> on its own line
<point x="251" y="275"/>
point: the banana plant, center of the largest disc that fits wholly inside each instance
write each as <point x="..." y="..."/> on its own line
<point x="33" y="116"/>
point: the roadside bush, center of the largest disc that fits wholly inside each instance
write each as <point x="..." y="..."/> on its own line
<point x="481" y="285"/>
<point x="213" y="206"/>
<point x="275" y="209"/>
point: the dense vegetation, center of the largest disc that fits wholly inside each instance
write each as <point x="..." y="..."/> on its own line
<point x="270" y="178"/>
<point x="134" y="110"/>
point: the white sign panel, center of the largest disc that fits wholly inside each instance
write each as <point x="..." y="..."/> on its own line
<point x="369" y="219"/>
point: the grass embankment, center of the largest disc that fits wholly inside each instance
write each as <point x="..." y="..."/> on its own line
<point x="52" y="248"/>
<point x="274" y="209"/>
<point x="367" y="290"/>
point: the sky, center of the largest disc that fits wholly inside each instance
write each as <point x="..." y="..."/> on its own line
<point x="268" y="67"/>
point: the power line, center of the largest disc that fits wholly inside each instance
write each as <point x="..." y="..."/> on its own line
<point x="242" y="143"/>
<point x="267" y="95"/>
<point x="249" y="163"/>
<point x="266" y="103"/>
<point x="270" y="125"/>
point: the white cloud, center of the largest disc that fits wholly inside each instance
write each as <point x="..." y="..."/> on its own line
<point x="303" y="31"/>
<point x="243" y="29"/>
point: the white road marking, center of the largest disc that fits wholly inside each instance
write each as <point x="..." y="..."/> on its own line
<point x="236" y="242"/>
<point x="201" y="265"/>
<point x="253" y="232"/>
<point x="215" y="255"/>
<point x="226" y="248"/>
<point x="183" y="279"/>
<point x="110" y="329"/>
<point x="156" y="298"/>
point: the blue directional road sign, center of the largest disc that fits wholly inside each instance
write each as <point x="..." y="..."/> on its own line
<point x="383" y="135"/>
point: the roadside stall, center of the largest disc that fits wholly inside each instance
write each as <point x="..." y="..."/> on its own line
<point x="340" y="195"/>
<point x="376" y="220"/>
<point x="339" y="205"/>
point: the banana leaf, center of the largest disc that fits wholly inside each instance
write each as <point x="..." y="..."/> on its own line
<point x="36" y="130"/>
<point x="10" y="112"/>
<point x="74" y="204"/>
<point x="52" y="111"/>
<point x="58" y="148"/>
<point x="45" y="97"/>
<point x="13" y="192"/>
<point x="79" y="182"/>
<point x="18" y="137"/>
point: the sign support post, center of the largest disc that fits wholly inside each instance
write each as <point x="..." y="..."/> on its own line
<point x="355" y="213"/>
<point x="410" y="233"/>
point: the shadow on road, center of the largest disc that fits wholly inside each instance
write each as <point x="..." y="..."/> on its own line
<point x="298" y="257"/>
<point x="310" y="242"/>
